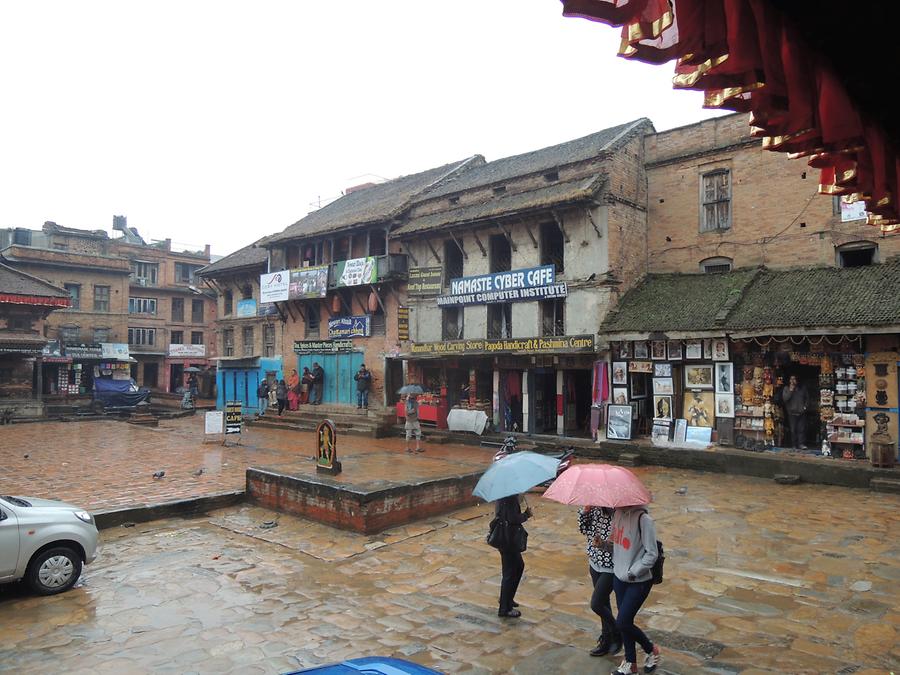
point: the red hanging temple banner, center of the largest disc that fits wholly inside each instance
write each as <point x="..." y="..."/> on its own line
<point x="747" y="57"/>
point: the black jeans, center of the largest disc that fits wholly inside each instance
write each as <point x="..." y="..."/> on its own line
<point x="798" y="429"/>
<point x="281" y="403"/>
<point x="629" y="598"/>
<point x="600" y="605"/>
<point x="513" y="566"/>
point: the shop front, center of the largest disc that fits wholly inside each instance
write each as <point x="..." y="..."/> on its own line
<point x="238" y="378"/>
<point x="340" y="361"/>
<point x="534" y="385"/>
<point x="188" y="356"/>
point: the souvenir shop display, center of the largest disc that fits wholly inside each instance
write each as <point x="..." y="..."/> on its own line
<point x="841" y="407"/>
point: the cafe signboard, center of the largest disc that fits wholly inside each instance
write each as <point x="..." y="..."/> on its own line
<point x="535" y="283"/>
<point x="562" y="344"/>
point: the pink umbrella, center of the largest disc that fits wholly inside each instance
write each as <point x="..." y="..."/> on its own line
<point x="598" y="485"/>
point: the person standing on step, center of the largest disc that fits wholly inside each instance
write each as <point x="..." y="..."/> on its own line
<point x="281" y="396"/>
<point x="634" y="554"/>
<point x="293" y="390"/>
<point x="412" y="425"/>
<point x="305" y="385"/>
<point x="262" y="393"/>
<point x="363" y="382"/>
<point x="318" y="377"/>
<point x="796" y="401"/>
<point x="595" y="523"/>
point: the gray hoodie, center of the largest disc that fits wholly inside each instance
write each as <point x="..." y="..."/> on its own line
<point x="634" y="550"/>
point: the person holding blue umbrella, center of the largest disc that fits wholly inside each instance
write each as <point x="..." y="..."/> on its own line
<point x="503" y="483"/>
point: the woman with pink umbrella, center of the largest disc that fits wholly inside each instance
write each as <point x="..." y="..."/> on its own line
<point x="634" y="545"/>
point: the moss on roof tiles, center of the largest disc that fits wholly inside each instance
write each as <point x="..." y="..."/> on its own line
<point x="677" y="302"/>
<point x="249" y="256"/>
<point x="16" y="282"/>
<point x="819" y="297"/>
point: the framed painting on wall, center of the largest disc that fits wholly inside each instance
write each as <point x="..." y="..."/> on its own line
<point x="618" y="422"/>
<point x="724" y="378"/>
<point x="720" y="349"/>
<point x="698" y="377"/>
<point x="663" y="386"/>
<point x="658" y="350"/>
<point x="641" y="350"/>
<point x="698" y="408"/>
<point x="724" y="405"/>
<point x="662" y="370"/>
<point x="620" y="372"/>
<point x="662" y="408"/>
<point x="693" y="349"/>
<point x="620" y="395"/>
<point x="675" y="351"/>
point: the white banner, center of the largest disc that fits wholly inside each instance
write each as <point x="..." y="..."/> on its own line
<point x="187" y="351"/>
<point x="214" y="421"/>
<point x="274" y="287"/>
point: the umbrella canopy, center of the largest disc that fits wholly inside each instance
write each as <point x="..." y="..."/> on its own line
<point x="411" y="389"/>
<point x="515" y="473"/>
<point x="192" y="369"/>
<point x="599" y="485"/>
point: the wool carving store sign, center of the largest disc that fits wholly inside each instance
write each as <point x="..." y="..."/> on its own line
<point x="536" y="283"/>
<point x="572" y="344"/>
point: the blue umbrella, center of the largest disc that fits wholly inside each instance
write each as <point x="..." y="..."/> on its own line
<point x="514" y="474"/>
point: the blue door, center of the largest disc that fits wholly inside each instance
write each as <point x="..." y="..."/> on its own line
<point x="339" y="386"/>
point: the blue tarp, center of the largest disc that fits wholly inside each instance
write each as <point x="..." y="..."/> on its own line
<point x="119" y="393"/>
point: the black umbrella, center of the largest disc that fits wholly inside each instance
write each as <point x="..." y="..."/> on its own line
<point x="411" y="389"/>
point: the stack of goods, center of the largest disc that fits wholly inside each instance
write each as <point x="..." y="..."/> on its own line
<point x="845" y="417"/>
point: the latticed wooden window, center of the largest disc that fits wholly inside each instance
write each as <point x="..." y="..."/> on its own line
<point x="715" y="196"/>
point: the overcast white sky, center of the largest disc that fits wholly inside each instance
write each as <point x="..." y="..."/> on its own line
<point x="213" y="121"/>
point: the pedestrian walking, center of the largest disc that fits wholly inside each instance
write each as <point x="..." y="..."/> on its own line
<point x="512" y="565"/>
<point x="634" y="553"/>
<point x="363" y="383"/>
<point x="293" y="390"/>
<point x="305" y="383"/>
<point x="262" y="393"/>
<point x="412" y="425"/>
<point x="796" y="401"/>
<point x="318" y="380"/>
<point x="595" y="523"/>
<point x="281" y="396"/>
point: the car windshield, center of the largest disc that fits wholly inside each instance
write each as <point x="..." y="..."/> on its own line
<point x="15" y="500"/>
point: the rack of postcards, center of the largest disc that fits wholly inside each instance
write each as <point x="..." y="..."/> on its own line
<point x="842" y="402"/>
<point x="69" y="379"/>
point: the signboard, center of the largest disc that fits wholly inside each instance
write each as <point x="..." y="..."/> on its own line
<point x="308" y="282"/>
<point x="187" y="351"/>
<point x="535" y="283"/>
<point x="403" y="323"/>
<point x="852" y="210"/>
<point x="84" y="352"/>
<point x="246" y="308"/>
<point x="356" y="271"/>
<point x="322" y="346"/>
<point x="213" y="422"/>
<point x="572" y="344"/>
<point x="274" y="287"/>
<point x="350" y="326"/>
<point x="114" y="351"/>
<point x="424" y="281"/>
<point x="233" y="417"/>
<point x="267" y="309"/>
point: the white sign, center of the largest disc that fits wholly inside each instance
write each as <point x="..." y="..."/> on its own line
<point x="187" y="351"/>
<point x="114" y="351"/>
<point x="852" y="211"/>
<point x="215" y="419"/>
<point x="274" y="287"/>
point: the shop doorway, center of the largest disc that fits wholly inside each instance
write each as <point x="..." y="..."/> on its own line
<point x="808" y="378"/>
<point x="393" y="380"/>
<point x="511" y="400"/>
<point x="578" y="402"/>
<point x="151" y="375"/>
<point x="339" y="386"/>
<point x="544" y="401"/>
<point x="176" y="376"/>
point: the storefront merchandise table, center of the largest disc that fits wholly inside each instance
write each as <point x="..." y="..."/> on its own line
<point x="467" y="420"/>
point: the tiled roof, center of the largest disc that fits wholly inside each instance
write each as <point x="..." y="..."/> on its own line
<point x="678" y="302"/>
<point x="509" y="203"/>
<point x="570" y="152"/>
<point x="376" y="204"/>
<point x="756" y="300"/>
<point x="822" y="296"/>
<point x="14" y="282"/>
<point x="249" y="256"/>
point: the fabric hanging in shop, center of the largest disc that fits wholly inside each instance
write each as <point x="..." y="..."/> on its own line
<point x="513" y="385"/>
<point x="600" y="391"/>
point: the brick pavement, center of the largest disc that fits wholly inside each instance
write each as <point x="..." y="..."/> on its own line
<point x="104" y="465"/>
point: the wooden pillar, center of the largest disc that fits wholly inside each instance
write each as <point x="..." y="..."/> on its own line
<point x="496" y="399"/>
<point x="560" y="407"/>
<point x="526" y="427"/>
<point x="38" y="392"/>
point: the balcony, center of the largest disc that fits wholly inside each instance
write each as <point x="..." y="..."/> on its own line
<point x="391" y="267"/>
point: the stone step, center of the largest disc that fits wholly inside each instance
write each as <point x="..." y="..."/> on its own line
<point x="371" y="431"/>
<point x="891" y="485"/>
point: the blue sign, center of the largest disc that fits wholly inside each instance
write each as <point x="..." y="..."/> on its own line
<point x="535" y="283"/>
<point x="246" y="308"/>
<point x="350" y="326"/>
<point x="267" y="309"/>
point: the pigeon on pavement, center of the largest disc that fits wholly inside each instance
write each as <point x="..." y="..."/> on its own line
<point x="199" y="472"/>
<point x="159" y="474"/>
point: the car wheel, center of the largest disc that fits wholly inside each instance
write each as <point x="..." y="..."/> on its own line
<point x="53" y="571"/>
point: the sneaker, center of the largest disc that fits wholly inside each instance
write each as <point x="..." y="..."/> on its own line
<point x="420" y="449"/>
<point x="652" y="660"/>
<point x="625" y="668"/>
<point x="510" y="614"/>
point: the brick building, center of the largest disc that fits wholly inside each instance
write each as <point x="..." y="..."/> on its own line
<point x="123" y="290"/>
<point x="249" y="334"/>
<point x="528" y="253"/>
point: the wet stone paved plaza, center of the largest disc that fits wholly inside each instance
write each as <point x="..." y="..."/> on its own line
<point x="759" y="577"/>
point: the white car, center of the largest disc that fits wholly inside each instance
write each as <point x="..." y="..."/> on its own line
<point x="44" y="542"/>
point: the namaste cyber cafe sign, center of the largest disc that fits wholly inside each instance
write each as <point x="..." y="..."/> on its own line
<point x="535" y="283"/>
<point x="562" y="344"/>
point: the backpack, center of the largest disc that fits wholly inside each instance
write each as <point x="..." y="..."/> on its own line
<point x="656" y="571"/>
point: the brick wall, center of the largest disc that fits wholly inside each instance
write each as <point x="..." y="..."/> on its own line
<point x="778" y="219"/>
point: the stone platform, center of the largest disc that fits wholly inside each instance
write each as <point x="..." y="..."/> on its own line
<point x="361" y="498"/>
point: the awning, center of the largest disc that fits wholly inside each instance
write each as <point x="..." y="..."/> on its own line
<point x="747" y="56"/>
<point x="238" y="361"/>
